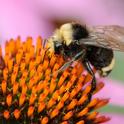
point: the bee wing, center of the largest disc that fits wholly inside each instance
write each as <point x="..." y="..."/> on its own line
<point x="111" y="37"/>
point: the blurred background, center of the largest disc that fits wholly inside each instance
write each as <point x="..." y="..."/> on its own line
<point x="41" y="17"/>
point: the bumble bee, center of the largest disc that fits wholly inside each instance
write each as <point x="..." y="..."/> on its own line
<point x="97" y="44"/>
<point x="91" y="45"/>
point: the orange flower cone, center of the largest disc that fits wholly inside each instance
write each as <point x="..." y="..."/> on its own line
<point x="32" y="93"/>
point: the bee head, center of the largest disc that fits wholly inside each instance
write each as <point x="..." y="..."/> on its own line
<point x="73" y="32"/>
<point x="58" y="47"/>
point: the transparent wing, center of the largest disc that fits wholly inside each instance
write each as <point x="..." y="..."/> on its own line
<point x="111" y="37"/>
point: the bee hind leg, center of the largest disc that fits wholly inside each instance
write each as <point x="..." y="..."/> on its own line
<point x="93" y="82"/>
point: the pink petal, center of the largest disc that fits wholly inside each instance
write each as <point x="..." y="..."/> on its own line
<point x="115" y="119"/>
<point x="91" y="11"/>
<point x="21" y="18"/>
<point x="113" y="90"/>
<point x="28" y="17"/>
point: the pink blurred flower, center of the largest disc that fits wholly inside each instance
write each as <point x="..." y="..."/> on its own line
<point x="29" y="17"/>
<point x="113" y="90"/>
<point x="94" y="12"/>
<point x="21" y="18"/>
<point x="115" y="119"/>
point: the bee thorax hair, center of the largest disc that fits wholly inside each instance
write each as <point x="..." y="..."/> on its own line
<point x="56" y="37"/>
<point x="66" y="32"/>
<point x="72" y="32"/>
<point x="50" y="46"/>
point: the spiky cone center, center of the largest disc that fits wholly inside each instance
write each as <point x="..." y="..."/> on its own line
<point x="32" y="92"/>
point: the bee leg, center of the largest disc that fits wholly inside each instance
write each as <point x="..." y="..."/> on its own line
<point x="67" y="64"/>
<point x="93" y="85"/>
<point x="93" y="82"/>
<point x="89" y="69"/>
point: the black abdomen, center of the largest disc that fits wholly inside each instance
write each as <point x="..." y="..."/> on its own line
<point x="99" y="57"/>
